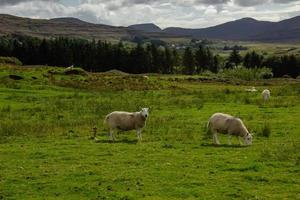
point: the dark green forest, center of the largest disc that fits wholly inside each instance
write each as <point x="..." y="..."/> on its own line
<point x="99" y="56"/>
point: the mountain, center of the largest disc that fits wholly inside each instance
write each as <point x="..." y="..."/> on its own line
<point x="59" y="27"/>
<point x="247" y="29"/>
<point x="149" y="27"/>
<point x="68" y="27"/>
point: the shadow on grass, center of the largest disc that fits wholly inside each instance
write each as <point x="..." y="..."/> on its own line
<point x="223" y="145"/>
<point x="124" y="141"/>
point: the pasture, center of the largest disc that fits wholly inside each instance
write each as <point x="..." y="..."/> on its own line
<point x="47" y="119"/>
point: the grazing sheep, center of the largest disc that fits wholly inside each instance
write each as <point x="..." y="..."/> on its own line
<point x="227" y="124"/>
<point x="146" y="77"/>
<point x="266" y="95"/>
<point x="70" y="67"/>
<point x="253" y="89"/>
<point x="127" y="121"/>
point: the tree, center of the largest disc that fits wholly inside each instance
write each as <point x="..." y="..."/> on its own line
<point x="90" y="55"/>
<point x="188" y="61"/>
<point x="169" y="62"/>
<point x="215" y="65"/>
<point x="200" y="59"/>
<point x="235" y="57"/>
<point x="253" y="60"/>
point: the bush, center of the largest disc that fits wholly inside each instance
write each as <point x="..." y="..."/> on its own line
<point x="266" y="130"/>
<point x="10" y="60"/>
<point x="247" y="74"/>
<point x="266" y="74"/>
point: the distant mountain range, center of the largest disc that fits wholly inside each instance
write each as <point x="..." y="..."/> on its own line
<point x="67" y="27"/>
<point x="246" y="29"/>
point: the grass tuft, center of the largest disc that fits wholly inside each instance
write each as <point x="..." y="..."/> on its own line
<point x="266" y="130"/>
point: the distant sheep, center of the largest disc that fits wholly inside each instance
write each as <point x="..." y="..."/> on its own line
<point x="227" y="124"/>
<point x="266" y="95"/>
<point x="146" y="77"/>
<point x="70" y="67"/>
<point x="127" y="121"/>
<point x="253" y="89"/>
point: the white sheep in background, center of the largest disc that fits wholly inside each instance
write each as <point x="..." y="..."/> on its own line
<point x="70" y="67"/>
<point x="227" y="124"/>
<point x="127" y="121"/>
<point x="146" y="77"/>
<point x="253" y="89"/>
<point x="266" y="95"/>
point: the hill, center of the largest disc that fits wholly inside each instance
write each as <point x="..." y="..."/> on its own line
<point x="67" y="27"/>
<point x="146" y="27"/>
<point x="246" y="29"/>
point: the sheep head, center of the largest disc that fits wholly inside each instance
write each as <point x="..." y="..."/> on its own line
<point x="145" y="112"/>
<point x="248" y="139"/>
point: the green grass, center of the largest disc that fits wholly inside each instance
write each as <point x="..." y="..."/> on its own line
<point x="46" y="153"/>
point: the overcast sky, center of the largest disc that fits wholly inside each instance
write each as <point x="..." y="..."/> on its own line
<point x="165" y="13"/>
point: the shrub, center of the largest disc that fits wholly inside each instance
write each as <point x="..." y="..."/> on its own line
<point x="266" y="74"/>
<point x="266" y="130"/>
<point x="247" y="74"/>
<point x="10" y="60"/>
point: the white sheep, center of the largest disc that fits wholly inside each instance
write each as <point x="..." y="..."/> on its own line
<point x="253" y="89"/>
<point x="227" y="124"/>
<point x="266" y="95"/>
<point x="146" y="77"/>
<point x="70" y="67"/>
<point x="127" y="121"/>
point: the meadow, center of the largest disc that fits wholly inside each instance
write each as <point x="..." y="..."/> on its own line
<point x="47" y="118"/>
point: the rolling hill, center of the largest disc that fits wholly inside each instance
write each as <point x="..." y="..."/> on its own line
<point x="149" y="27"/>
<point x="67" y="27"/>
<point x="246" y="29"/>
<point x="59" y="27"/>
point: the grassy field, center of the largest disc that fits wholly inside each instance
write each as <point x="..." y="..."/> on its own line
<point x="47" y="119"/>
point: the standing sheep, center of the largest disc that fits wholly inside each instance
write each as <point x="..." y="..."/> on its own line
<point x="227" y="124"/>
<point x="127" y="121"/>
<point x="266" y="95"/>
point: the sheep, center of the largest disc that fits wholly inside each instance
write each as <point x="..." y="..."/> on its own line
<point x="126" y="121"/>
<point x="227" y="124"/>
<point x="146" y="77"/>
<point x="70" y="67"/>
<point x="266" y="95"/>
<point x="253" y="89"/>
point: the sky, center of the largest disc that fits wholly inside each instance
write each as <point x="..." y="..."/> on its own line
<point x="164" y="13"/>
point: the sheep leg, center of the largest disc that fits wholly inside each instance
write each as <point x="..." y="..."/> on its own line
<point x="111" y="133"/>
<point x="139" y="134"/>
<point x="215" y="137"/>
<point x="229" y="139"/>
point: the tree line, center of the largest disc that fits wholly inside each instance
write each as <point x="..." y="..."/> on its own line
<point x="280" y="65"/>
<point x="98" y="56"/>
<point x="90" y="55"/>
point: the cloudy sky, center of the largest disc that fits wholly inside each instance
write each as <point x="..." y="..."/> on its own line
<point x="165" y="13"/>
